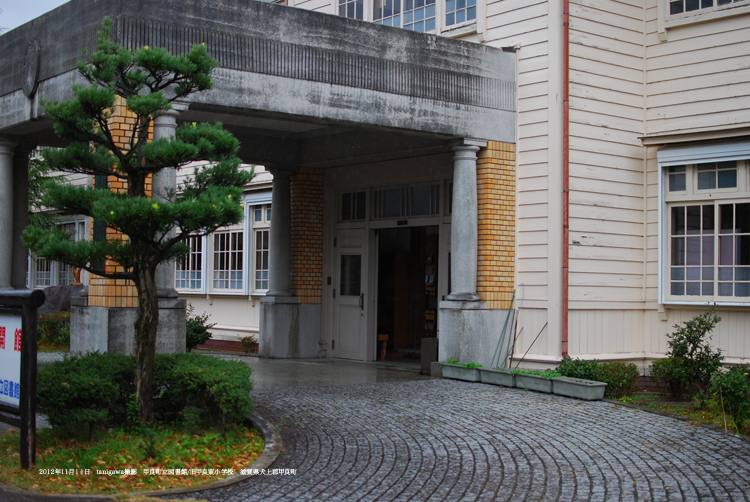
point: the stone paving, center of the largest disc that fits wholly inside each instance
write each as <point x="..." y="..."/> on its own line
<point x="422" y="439"/>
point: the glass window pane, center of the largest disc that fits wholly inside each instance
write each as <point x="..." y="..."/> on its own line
<point x="449" y="19"/>
<point x="708" y="219"/>
<point x="693" y="274"/>
<point x="693" y="288"/>
<point x="728" y="178"/>
<point x="351" y="274"/>
<point x="693" y="220"/>
<point x="361" y="205"/>
<point x="429" y="25"/>
<point x="706" y="180"/>
<point x="742" y="289"/>
<point x="471" y="13"/>
<point x="726" y="250"/>
<point x="742" y="254"/>
<point x="708" y="273"/>
<point x="726" y="218"/>
<point x="725" y="274"/>
<point x="678" y="274"/>
<point x="708" y="251"/>
<point x="675" y="7"/>
<point x="693" y="251"/>
<point x="346" y="206"/>
<point x="678" y="288"/>
<point x="708" y="289"/>
<point x="691" y="5"/>
<point x="742" y="218"/>
<point x="678" y="251"/>
<point x="725" y="289"/>
<point x="742" y="274"/>
<point x="678" y="221"/>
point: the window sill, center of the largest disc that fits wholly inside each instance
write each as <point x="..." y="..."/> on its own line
<point x="460" y="30"/>
<point x="704" y="303"/>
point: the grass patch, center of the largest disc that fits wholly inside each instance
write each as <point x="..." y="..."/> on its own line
<point x="710" y="414"/>
<point x="62" y="462"/>
<point x="52" y="347"/>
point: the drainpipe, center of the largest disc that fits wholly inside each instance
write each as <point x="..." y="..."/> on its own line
<point x="566" y="173"/>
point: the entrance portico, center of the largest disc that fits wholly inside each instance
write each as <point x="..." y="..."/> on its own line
<point x="328" y="104"/>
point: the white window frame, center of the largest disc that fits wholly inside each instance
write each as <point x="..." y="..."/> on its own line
<point x="250" y="202"/>
<point x="201" y="268"/>
<point x="80" y="228"/>
<point x="665" y="20"/>
<point x="690" y="156"/>
<point x="467" y="27"/>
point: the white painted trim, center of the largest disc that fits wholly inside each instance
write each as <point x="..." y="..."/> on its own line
<point x="257" y="198"/>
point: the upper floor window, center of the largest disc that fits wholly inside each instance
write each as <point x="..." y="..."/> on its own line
<point x="460" y="11"/>
<point x="680" y="6"/>
<point x="353" y="9"/>
<point x="416" y="15"/>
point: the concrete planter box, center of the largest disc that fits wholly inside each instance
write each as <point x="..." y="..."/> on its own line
<point x="579" y="388"/>
<point x="498" y="377"/>
<point x="458" y="372"/>
<point x="534" y="382"/>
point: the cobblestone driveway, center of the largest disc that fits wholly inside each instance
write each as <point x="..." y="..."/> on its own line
<point x="435" y="439"/>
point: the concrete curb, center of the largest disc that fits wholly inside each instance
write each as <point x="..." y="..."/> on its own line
<point x="271" y="451"/>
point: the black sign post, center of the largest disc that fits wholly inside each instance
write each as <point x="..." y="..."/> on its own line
<point x="25" y="303"/>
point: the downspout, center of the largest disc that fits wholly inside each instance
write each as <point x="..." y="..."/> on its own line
<point x="566" y="173"/>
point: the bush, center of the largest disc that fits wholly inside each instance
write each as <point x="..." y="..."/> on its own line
<point x="54" y="328"/>
<point x="196" y="329"/>
<point x="621" y="378"/>
<point x="249" y="344"/>
<point x="202" y="390"/>
<point x="576" y="368"/>
<point x="692" y="362"/>
<point x="731" y="393"/>
<point x="84" y="392"/>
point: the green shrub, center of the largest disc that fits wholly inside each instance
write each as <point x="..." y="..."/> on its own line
<point x="621" y="378"/>
<point x="576" y="368"/>
<point x="196" y="329"/>
<point x="207" y="390"/>
<point x="83" y="392"/>
<point x="693" y="362"/>
<point x="54" y="328"/>
<point x="249" y="344"/>
<point x="731" y="393"/>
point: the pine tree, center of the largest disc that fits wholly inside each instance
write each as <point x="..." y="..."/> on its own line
<point x="154" y="231"/>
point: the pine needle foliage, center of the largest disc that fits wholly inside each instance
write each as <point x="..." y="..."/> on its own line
<point x="155" y="228"/>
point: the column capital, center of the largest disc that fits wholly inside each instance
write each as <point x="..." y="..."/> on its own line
<point x="469" y="144"/>
<point x="281" y="171"/>
<point x="7" y="145"/>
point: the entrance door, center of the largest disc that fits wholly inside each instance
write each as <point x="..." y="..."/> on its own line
<point x="407" y="289"/>
<point x="348" y="340"/>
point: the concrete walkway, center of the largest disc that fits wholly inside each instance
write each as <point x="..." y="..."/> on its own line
<point x="356" y="431"/>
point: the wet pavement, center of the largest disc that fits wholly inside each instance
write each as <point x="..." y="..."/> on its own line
<point x="363" y="431"/>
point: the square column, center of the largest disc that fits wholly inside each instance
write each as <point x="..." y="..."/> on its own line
<point x="6" y="212"/>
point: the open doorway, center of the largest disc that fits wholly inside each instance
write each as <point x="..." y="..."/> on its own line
<point x="407" y="290"/>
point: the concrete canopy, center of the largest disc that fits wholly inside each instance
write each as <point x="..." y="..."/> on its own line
<point x="297" y="87"/>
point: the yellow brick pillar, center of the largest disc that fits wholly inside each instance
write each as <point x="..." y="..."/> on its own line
<point x="496" y="204"/>
<point x="116" y="292"/>
<point x="307" y="235"/>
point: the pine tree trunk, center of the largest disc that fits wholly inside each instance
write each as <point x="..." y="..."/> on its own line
<point x="145" y="336"/>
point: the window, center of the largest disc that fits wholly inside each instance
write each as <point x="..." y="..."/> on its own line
<point x="189" y="269"/>
<point x="43" y="273"/>
<point x="227" y="260"/>
<point x="706" y="226"/>
<point x="680" y="6"/>
<point x="413" y="201"/>
<point x="232" y="260"/>
<point x="353" y="9"/>
<point x="261" y="238"/>
<point x="416" y="15"/>
<point x="460" y="11"/>
<point x="353" y="206"/>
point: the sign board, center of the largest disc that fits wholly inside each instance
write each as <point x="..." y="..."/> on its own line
<point x="10" y="357"/>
